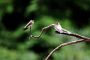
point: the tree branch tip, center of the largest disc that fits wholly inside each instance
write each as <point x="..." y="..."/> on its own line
<point x="58" y="29"/>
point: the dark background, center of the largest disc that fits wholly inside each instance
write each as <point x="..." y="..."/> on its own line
<point x="74" y="15"/>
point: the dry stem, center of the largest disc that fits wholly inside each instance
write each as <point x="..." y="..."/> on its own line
<point x="59" y="30"/>
<point x="62" y="45"/>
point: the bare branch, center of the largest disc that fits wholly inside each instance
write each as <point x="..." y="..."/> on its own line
<point x="29" y="24"/>
<point x="62" y="45"/>
<point x="77" y="35"/>
<point x="59" y="30"/>
<point x="43" y="29"/>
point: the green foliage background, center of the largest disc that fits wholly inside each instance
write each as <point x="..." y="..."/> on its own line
<point x="73" y="15"/>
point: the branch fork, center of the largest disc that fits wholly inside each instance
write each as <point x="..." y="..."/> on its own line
<point x="58" y="28"/>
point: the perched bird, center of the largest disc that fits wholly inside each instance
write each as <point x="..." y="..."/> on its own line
<point x="29" y="24"/>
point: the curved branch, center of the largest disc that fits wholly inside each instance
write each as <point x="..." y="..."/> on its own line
<point x="58" y="28"/>
<point x="62" y="45"/>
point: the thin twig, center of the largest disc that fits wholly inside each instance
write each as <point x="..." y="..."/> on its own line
<point x="59" y="30"/>
<point x="77" y="35"/>
<point x="62" y="45"/>
<point x="43" y="29"/>
<point x="29" y="24"/>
